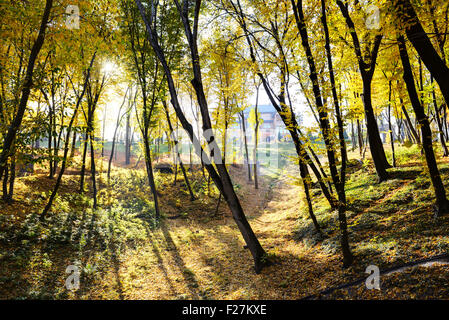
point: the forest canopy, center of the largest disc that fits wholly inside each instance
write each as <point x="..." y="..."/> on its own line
<point x="127" y="120"/>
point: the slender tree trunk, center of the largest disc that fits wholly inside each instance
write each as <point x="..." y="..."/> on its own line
<point x="12" y="179"/>
<point x="50" y="135"/>
<point x="446" y="129"/>
<point x="103" y="132"/>
<point x="73" y="148"/>
<point x="439" y="122"/>
<point x="149" y="166"/>
<point x="92" y="167"/>
<point x="83" y="165"/>
<point x="353" y="136"/>
<point x="409" y="122"/>
<point x="127" y="139"/>
<point x="114" y="137"/>
<point x="242" y="116"/>
<point x="55" y="147"/>
<point x="360" y="137"/>
<point x="320" y="166"/>
<point x="400" y="124"/>
<point x="256" y="138"/>
<point x="304" y="173"/>
<point x="390" y="127"/>
<point x="5" y="185"/>
<point x="111" y="155"/>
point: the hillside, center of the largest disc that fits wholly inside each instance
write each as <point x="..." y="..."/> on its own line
<point x="194" y="253"/>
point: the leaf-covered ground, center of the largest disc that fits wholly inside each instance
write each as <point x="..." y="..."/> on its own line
<point x="194" y="253"/>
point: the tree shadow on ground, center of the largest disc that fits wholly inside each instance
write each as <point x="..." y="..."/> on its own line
<point x="188" y="275"/>
<point x="160" y="261"/>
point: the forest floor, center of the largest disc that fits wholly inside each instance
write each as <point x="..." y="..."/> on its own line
<point x="193" y="253"/>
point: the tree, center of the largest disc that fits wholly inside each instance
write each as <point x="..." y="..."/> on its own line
<point x="339" y="179"/>
<point x="421" y="42"/>
<point x="221" y="176"/>
<point x="149" y="78"/>
<point x="26" y="89"/>
<point x="367" y="68"/>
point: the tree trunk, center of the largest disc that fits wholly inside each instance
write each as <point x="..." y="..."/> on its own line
<point x="149" y="166"/>
<point x="83" y="165"/>
<point x="375" y="143"/>
<point x="50" y="135"/>
<point x="103" y="132"/>
<point x="114" y="137"/>
<point x="360" y="137"/>
<point x="390" y="127"/>
<point x="5" y="185"/>
<point x="72" y="149"/>
<point x="92" y="167"/>
<point x="242" y="116"/>
<point x="353" y="136"/>
<point x="304" y="173"/>
<point x="339" y="181"/>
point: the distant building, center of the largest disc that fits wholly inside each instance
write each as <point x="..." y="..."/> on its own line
<point x="272" y="128"/>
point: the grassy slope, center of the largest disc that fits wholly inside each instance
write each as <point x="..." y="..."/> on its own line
<point x="124" y="253"/>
